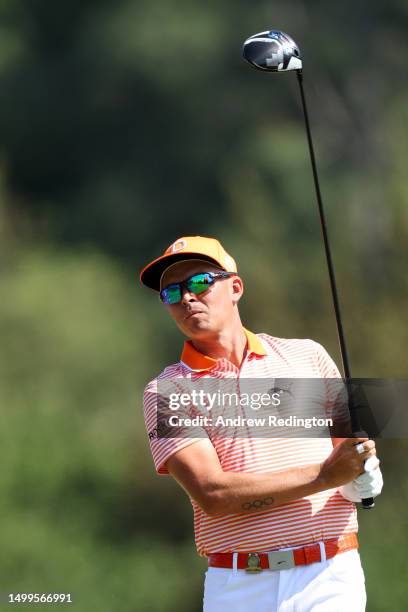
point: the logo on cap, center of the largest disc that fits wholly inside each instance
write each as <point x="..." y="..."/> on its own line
<point x="179" y="245"/>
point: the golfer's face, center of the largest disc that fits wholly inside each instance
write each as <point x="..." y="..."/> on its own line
<point x="204" y="313"/>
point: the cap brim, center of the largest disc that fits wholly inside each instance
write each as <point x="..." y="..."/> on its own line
<point x="152" y="273"/>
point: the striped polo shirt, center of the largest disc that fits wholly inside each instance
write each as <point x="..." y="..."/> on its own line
<point x="310" y="519"/>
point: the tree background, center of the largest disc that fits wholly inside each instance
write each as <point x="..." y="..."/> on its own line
<point x="124" y="126"/>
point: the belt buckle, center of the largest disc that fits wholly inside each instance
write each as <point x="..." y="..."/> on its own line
<point x="253" y="563"/>
<point x="281" y="559"/>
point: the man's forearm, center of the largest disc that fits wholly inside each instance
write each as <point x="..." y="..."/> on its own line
<point x="200" y="473"/>
<point x="234" y="492"/>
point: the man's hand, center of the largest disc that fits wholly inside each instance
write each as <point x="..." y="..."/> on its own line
<point x="369" y="484"/>
<point x="345" y="463"/>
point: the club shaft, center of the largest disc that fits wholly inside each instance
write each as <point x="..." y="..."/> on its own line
<point x="354" y="415"/>
<point x="340" y="331"/>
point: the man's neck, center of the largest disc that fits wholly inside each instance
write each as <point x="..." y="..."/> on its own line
<point x="228" y="344"/>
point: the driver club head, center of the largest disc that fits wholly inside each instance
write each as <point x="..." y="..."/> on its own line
<point x="272" y="51"/>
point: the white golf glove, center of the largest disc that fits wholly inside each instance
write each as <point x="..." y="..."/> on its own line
<point x="369" y="484"/>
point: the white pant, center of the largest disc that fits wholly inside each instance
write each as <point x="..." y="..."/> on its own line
<point x="335" y="585"/>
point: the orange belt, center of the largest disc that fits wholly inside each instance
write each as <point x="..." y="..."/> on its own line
<point x="284" y="559"/>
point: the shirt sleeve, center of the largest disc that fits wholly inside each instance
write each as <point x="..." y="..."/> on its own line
<point x="165" y="441"/>
<point x="336" y="393"/>
<point x="326" y="366"/>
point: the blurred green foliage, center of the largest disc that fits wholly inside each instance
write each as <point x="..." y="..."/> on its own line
<point x="125" y="125"/>
<point x="79" y="509"/>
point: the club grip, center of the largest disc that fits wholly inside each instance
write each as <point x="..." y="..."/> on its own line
<point x="368" y="503"/>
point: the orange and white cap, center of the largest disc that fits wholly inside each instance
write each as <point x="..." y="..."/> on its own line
<point x="187" y="247"/>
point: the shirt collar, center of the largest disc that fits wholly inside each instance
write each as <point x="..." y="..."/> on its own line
<point x="199" y="362"/>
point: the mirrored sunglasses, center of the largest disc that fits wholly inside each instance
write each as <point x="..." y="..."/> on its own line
<point x="172" y="294"/>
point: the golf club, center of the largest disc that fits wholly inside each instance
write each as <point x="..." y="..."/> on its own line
<point x="275" y="51"/>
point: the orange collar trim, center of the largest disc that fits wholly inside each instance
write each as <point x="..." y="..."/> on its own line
<point x="199" y="362"/>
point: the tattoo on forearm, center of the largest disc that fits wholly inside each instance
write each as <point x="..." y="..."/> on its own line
<point x="258" y="504"/>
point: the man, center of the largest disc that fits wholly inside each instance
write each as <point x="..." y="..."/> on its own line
<point x="274" y="515"/>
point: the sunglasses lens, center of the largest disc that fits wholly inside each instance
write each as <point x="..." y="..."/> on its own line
<point x="199" y="283"/>
<point x="196" y="284"/>
<point x="171" y="294"/>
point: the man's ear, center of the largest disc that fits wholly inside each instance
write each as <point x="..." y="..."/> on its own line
<point x="237" y="288"/>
